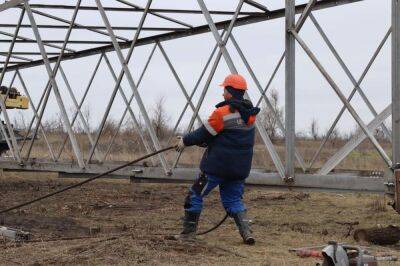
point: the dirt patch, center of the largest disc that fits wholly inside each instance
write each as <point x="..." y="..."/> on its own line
<point x="115" y="222"/>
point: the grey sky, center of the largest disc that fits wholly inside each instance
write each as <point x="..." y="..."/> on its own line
<point x="355" y="30"/>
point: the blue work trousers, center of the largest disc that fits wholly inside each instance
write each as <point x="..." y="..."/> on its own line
<point x="231" y="192"/>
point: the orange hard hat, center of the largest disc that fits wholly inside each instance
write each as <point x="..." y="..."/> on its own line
<point x="236" y="81"/>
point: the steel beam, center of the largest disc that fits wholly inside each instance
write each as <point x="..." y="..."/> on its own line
<point x="73" y="24"/>
<point x="120" y="77"/>
<point x="396" y="81"/>
<point x="10" y="4"/>
<point x="354" y="142"/>
<point x="348" y="72"/>
<point x="75" y="116"/>
<point x="330" y="183"/>
<point x="254" y="4"/>
<point x="122" y="28"/>
<point x="131" y="82"/>
<point x="138" y="127"/>
<point x="194" y="90"/>
<point x="361" y="79"/>
<point x="36" y="115"/>
<point x="86" y="128"/>
<point x="178" y="80"/>
<point x="246" y="20"/>
<point x="51" y="73"/>
<point x="228" y="59"/>
<point x="349" y="107"/>
<point x="290" y="84"/>
<point x="179" y="22"/>
<point x="127" y="108"/>
<point x="152" y="10"/>
<point x="267" y="101"/>
<point x="12" y="143"/>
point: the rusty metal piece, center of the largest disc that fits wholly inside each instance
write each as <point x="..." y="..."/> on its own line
<point x="15" y="234"/>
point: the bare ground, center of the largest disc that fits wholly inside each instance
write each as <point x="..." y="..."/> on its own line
<point x="115" y="222"/>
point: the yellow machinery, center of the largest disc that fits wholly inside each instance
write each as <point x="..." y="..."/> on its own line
<point x="14" y="99"/>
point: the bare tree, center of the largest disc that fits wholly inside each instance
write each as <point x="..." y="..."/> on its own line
<point x="54" y="124"/>
<point x="269" y="118"/>
<point x="314" y="129"/>
<point x="160" y="118"/>
<point x="20" y="122"/>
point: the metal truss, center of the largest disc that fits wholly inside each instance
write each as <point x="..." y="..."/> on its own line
<point x="44" y="50"/>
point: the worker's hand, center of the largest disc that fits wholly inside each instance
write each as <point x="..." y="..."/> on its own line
<point x="180" y="145"/>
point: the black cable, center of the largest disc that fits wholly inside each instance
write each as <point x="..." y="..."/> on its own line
<point x="214" y="227"/>
<point x="84" y="182"/>
<point x="99" y="176"/>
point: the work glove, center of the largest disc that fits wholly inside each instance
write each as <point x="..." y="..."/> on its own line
<point x="180" y="145"/>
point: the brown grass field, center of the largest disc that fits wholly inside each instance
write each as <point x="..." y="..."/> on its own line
<point x="116" y="222"/>
<point x="127" y="147"/>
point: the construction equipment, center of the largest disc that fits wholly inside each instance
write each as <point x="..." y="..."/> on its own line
<point x="12" y="99"/>
<point x="336" y="254"/>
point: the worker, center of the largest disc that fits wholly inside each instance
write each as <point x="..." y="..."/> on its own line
<point x="228" y="136"/>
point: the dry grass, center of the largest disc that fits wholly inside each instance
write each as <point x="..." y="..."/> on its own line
<point x="142" y="214"/>
<point x="128" y="147"/>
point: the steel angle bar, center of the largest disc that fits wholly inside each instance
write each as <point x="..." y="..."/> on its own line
<point x="28" y="53"/>
<point x="128" y="107"/>
<point x="52" y="41"/>
<point x="120" y="77"/>
<point x="52" y="72"/>
<point x="111" y="142"/>
<point x="304" y="15"/>
<point x="209" y="79"/>
<point x="18" y="57"/>
<point x="10" y="4"/>
<point x="36" y="115"/>
<point x="308" y="182"/>
<point x="121" y="28"/>
<point x="140" y="9"/>
<point x="348" y="73"/>
<point x="263" y="96"/>
<point x="270" y="79"/>
<point x="290" y="85"/>
<point x="245" y="20"/>
<point x="13" y="145"/>
<point x="212" y="72"/>
<point x="354" y="142"/>
<point x="256" y="5"/>
<point x="29" y="40"/>
<point x="232" y="68"/>
<point x="41" y="105"/>
<point x="181" y="86"/>
<point x="349" y="107"/>
<point x="73" y="24"/>
<point x="132" y="84"/>
<point x="195" y="89"/>
<point x="200" y="101"/>
<point x="396" y="81"/>
<point x="75" y="116"/>
<point x="78" y="109"/>
<point x="361" y="79"/>
<point x="156" y="14"/>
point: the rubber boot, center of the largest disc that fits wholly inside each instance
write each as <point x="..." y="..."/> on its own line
<point x="242" y="222"/>
<point x="190" y="222"/>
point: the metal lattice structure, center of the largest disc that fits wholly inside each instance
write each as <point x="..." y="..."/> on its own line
<point x="52" y="53"/>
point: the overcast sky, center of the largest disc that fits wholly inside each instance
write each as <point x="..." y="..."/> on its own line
<point x="354" y="29"/>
